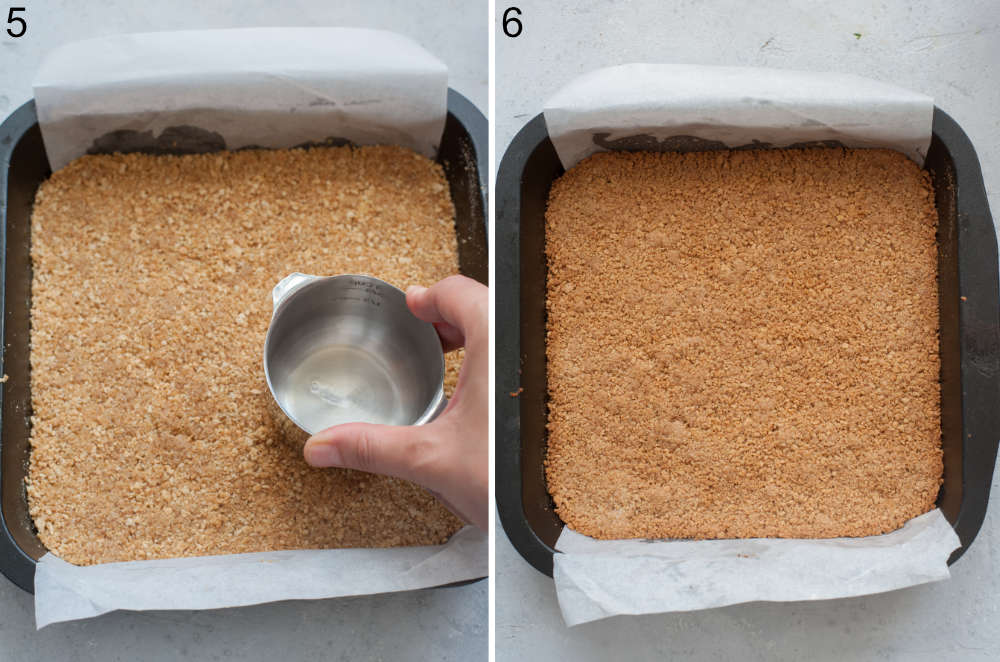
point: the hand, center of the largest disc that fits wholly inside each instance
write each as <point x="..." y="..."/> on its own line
<point x="450" y="455"/>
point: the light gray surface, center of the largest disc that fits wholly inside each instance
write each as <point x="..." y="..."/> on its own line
<point x="440" y="624"/>
<point x="436" y="624"/>
<point x="949" y="52"/>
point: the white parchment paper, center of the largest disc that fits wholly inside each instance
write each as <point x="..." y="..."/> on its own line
<point x="599" y="578"/>
<point x="734" y="106"/>
<point x="65" y="592"/>
<point x="270" y="87"/>
<point x="664" y="106"/>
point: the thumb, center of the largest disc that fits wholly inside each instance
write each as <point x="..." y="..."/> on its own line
<point x="381" y="449"/>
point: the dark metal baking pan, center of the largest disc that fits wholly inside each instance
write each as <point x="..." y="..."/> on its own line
<point x="969" y="319"/>
<point x="24" y="166"/>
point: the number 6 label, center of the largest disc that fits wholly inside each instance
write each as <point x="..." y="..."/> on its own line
<point x="511" y="26"/>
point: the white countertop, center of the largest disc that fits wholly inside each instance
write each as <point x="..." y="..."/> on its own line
<point x="436" y="624"/>
<point x="948" y="50"/>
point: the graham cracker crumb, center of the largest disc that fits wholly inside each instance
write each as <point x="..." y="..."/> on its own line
<point x="151" y="297"/>
<point x="742" y="344"/>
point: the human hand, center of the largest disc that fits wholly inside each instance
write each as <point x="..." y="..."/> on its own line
<point x="450" y="455"/>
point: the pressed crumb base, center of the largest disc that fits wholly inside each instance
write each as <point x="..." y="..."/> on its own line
<point x="151" y="434"/>
<point x="742" y="344"/>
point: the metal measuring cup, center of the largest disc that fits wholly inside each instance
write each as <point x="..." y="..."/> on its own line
<point x="343" y="349"/>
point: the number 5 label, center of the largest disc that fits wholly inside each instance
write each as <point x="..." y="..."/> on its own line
<point x="16" y="26"/>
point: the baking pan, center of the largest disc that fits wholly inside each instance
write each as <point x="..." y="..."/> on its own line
<point x="24" y="166"/>
<point x="969" y="320"/>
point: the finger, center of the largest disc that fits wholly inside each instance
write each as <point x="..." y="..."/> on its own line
<point x="382" y="449"/>
<point x="460" y="301"/>
<point x="451" y="338"/>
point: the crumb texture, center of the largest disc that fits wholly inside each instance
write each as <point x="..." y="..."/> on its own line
<point x="742" y="344"/>
<point x="151" y="434"/>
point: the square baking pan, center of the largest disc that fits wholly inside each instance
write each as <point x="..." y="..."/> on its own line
<point x="24" y="166"/>
<point x="969" y="317"/>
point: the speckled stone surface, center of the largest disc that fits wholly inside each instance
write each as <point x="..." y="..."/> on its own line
<point x="947" y="50"/>
<point x="437" y="624"/>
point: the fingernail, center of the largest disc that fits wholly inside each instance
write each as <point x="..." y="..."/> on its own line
<point x="415" y="290"/>
<point x="322" y="454"/>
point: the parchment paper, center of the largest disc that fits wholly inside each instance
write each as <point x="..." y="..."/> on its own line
<point x="665" y="107"/>
<point x="599" y="578"/>
<point x="271" y="87"/>
<point x="65" y="592"/>
<point x="645" y="106"/>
